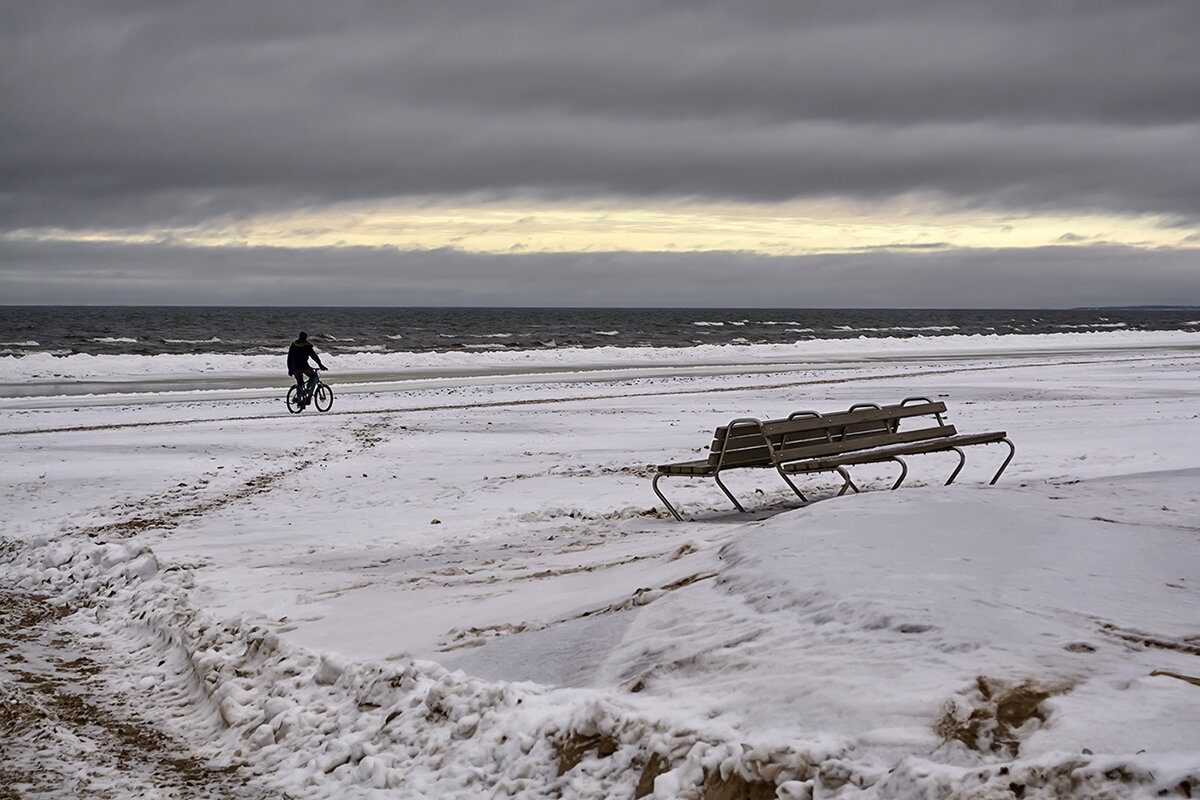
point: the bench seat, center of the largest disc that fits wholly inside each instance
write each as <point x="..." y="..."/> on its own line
<point x="877" y="455"/>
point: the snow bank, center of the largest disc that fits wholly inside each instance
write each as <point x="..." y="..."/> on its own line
<point x="325" y="726"/>
<point x="321" y="725"/>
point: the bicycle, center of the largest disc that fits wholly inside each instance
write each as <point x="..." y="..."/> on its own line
<point x="316" y="391"/>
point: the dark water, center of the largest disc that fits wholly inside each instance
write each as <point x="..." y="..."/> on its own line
<point x="155" y="330"/>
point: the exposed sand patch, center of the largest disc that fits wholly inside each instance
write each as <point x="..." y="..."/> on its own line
<point x="992" y="718"/>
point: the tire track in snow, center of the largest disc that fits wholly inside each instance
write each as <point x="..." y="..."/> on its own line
<point x="69" y="727"/>
<point x="190" y="501"/>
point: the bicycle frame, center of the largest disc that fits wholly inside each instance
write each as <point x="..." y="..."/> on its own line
<point x="311" y="385"/>
<point x="314" y="390"/>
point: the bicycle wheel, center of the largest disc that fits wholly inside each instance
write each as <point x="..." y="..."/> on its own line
<point x="323" y="397"/>
<point x="293" y="400"/>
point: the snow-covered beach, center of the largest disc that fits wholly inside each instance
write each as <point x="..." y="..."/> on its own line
<point x="458" y="582"/>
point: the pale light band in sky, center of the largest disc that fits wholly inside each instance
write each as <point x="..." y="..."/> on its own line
<point x="782" y="229"/>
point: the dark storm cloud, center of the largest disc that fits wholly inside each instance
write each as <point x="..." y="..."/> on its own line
<point x="1046" y="277"/>
<point x="126" y="113"/>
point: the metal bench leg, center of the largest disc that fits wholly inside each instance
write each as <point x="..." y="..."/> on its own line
<point x="666" y="502"/>
<point x="1012" y="451"/>
<point x="788" y="481"/>
<point x="962" y="459"/>
<point x="903" y="472"/>
<point x="849" y="484"/>
<point x="729" y="494"/>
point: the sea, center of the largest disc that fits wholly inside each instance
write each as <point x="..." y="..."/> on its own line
<point x="155" y="330"/>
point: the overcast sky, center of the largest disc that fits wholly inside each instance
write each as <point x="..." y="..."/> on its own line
<point x="550" y="152"/>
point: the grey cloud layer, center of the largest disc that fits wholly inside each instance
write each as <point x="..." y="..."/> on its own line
<point x="1047" y="277"/>
<point x="125" y="113"/>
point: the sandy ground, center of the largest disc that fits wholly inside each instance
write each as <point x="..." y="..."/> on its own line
<point x="506" y="532"/>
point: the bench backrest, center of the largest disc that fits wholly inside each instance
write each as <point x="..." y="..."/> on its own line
<point x="808" y="434"/>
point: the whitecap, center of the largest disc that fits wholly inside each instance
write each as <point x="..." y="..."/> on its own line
<point x="1089" y="326"/>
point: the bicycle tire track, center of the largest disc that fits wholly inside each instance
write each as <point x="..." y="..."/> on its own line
<point x="166" y="512"/>
<point x="169" y="518"/>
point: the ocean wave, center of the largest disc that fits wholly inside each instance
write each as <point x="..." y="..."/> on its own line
<point x="897" y="328"/>
<point x="461" y="335"/>
<point x="1091" y="326"/>
<point x="8" y="351"/>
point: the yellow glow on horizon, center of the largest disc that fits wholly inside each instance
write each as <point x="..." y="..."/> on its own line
<point x="780" y="229"/>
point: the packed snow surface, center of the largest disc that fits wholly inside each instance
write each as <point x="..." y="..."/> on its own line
<point x="463" y="586"/>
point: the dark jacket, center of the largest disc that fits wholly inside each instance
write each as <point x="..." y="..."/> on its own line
<point x="299" y="354"/>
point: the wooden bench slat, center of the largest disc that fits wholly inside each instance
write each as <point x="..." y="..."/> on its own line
<point x="743" y="444"/>
<point x="779" y="427"/>
<point x="854" y="417"/>
<point x="862" y="443"/>
<point x="740" y="448"/>
<point x="885" y="453"/>
<point x="832" y="433"/>
<point x="784" y="431"/>
<point x="686" y="468"/>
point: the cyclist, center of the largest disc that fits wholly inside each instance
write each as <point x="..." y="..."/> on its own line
<point x="298" y="355"/>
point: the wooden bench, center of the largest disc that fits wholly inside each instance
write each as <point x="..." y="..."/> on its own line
<point x="809" y="442"/>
